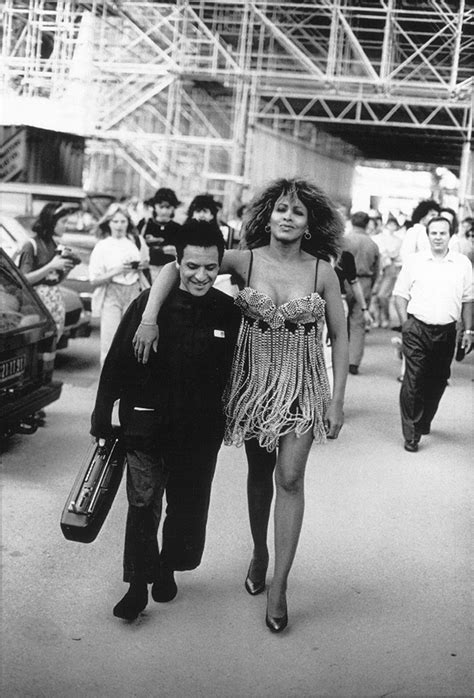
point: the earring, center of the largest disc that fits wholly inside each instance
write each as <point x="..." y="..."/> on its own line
<point x="268" y="228"/>
<point x="307" y="235"/>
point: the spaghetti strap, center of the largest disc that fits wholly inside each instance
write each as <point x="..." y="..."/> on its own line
<point x="250" y="267"/>
<point x="316" y="275"/>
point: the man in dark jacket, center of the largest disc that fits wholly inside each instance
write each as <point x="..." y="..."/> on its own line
<point x="172" y="420"/>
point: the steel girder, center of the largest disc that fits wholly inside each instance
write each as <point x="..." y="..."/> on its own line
<point x="178" y="84"/>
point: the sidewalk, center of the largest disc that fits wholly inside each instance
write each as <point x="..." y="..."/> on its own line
<point x="380" y="596"/>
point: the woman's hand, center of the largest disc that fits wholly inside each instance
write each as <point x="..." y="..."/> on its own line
<point x="334" y="420"/>
<point x="62" y="264"/>
<point x="145" y="338"/>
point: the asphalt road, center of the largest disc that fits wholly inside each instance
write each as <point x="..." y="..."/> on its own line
<point x="380" y="596"/>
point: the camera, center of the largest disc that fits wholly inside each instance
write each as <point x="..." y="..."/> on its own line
<point x="67" y="253"/>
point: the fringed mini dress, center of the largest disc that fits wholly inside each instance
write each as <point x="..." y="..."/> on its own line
<point x="278" y="382"/>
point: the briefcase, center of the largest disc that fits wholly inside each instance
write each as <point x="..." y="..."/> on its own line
<point x="94" y="490"/>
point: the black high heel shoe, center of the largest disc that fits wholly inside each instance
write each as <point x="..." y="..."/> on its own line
<point x="276" y="625"/>
<point x="253" y="586"/>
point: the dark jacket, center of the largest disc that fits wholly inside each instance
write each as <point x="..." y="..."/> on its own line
<point x="164" y="233"/>
<point x="181" y="386"/>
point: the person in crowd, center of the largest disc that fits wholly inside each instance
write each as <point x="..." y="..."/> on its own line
<point x="278" y="399"/>
<point x="224" y="226"/>
<point x="466" y="238"/>
<point x="203" y="208"/>
<point x="375" y="225"/>
<point x="172" y="418"/>
<point x="415" y="238"/>
<point x="433" y="290"/>
<point x="43" y="261"/>
<point x="389" y="243"/>
<point x="159" y="230"/>
<point x="116" y="270"/>
<point x="347" y="274"/>
<point x="236" y="225"/>
<point x="367" y="256"/>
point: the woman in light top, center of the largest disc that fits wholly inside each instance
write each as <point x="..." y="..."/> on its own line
<point x="278" y="400"/>
<point x="116" y="270"/>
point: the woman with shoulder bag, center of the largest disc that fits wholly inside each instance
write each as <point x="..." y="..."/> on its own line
<point x="117" y="268"/>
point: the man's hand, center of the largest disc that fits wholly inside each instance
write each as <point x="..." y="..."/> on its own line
<point x="145" y="338"/>
<point x="467" y="341"/>
<point x="334" y="420"/>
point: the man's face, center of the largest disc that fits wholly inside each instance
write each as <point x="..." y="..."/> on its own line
<point x="198" y="269"/>
<point x="438" y="236"/>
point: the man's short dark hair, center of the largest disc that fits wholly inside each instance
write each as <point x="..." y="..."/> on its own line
<point x="200" y="234"/>
<point x="201" y="202"/>
<point x="360" y="219"/>
<point x="439" y="218"/>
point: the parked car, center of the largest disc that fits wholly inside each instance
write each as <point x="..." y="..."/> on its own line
<point x="13" y="235"/>
<point x="27" y="344"/>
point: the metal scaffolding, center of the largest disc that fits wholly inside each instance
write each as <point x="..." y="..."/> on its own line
<point x="174" y="89"/>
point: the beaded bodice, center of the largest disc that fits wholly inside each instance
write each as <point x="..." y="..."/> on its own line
<point x="260" y="306"/>
<point x="279" y="382"/>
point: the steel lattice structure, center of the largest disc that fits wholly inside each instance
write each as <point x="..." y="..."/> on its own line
<point x="176" y="88"/>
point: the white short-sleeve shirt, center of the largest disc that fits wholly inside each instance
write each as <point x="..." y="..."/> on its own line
<point x="435" y="288"/>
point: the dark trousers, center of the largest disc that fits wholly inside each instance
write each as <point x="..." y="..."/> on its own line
<point x="428" y="351"/>
<point x="186" y="475"/>
<point x="356" y="320"/>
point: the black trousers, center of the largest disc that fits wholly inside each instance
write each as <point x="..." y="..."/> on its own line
<point x="185" y="473"/>
<point x="429" y="351"/>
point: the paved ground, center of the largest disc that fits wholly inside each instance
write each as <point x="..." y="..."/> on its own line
<point x="380" y="595"/>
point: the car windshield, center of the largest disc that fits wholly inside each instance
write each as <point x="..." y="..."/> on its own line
<point x="19" y="306"/>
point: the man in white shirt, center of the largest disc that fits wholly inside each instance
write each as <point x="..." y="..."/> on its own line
<point x="432" y="291"/>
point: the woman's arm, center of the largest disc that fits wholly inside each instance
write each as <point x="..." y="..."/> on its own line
<point x="337" y="330"/>
<point x="146" y="336"/>
<point x="34" y="276"/>
<point x="106" y="276"/>
<point x="359" y="296"/>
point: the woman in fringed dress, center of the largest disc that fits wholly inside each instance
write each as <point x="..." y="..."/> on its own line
<point x="278" y="400"/>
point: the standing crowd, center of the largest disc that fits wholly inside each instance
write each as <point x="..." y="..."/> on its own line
<point x="194" y="367"/>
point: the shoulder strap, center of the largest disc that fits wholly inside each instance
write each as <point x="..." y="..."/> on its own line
<point x="250" y="267"/>
<point x="137" y="241"/>
<point x="316" y="275"/>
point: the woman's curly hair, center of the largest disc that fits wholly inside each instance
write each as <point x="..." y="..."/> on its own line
<point x="324" y="222"/>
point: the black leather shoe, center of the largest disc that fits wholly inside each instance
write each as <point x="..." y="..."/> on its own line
<point x="276" y="625"/>
<point x="411" y="446"/>
<point x="255" y="586"/>
<point x="165" y="588"/>
<point x="132" y="604"/>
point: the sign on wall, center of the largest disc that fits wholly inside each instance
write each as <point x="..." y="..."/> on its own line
<point x="13" y="156"/>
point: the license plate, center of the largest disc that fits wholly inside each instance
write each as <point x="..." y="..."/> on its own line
<point x="12" y="368"/>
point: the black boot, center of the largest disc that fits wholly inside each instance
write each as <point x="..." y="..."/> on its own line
<point x="165" y="588"/>
<point x="133" y="603"/>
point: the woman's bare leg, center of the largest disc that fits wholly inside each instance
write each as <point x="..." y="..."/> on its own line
<point x="261" y="465"/>
<point x="289" y="508"/>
